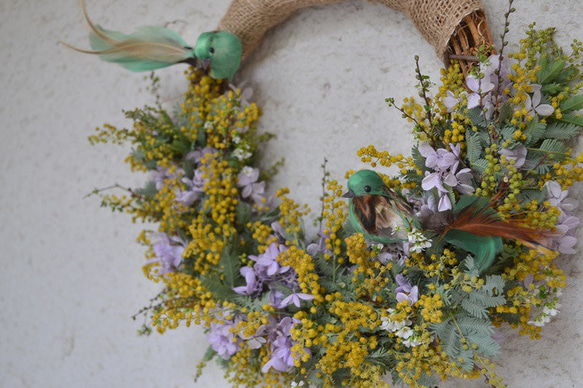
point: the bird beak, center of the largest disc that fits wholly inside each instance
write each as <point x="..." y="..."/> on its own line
<point x="349" y="194"/>
<point x="205" y="63"/>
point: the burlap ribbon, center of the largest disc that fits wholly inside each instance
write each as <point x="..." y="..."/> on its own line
<point x="437" y="20"/>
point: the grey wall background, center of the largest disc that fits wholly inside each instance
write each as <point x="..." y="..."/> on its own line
<point x="70" y="274"/>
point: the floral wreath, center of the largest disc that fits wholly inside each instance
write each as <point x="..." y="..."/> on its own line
<point x="412" y="275"/>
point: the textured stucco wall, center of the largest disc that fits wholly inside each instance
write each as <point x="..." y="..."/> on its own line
<point x="70" y="271"/>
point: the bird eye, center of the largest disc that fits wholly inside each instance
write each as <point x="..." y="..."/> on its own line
<point x="367" y="188"/>
<point x="212" y="50"/>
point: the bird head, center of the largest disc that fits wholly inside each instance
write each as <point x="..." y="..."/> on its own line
<point x="220" y="51"/>
<point x="365" y="182"/>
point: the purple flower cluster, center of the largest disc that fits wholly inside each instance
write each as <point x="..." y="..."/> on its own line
<point x="168" y="251"/>
<point x="278" y="334"/>
<point x="223" y="339"/>
<point x="483" y="89"/>
<point x="487" y="90"/>
<point x="445" y="176"/>
<point x="194" y="188"/>
<point x="564" y="238"/>
<point x="267" y="271"/>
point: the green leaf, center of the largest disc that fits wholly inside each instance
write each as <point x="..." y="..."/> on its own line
<point x="553" y="146"/>
<point x="562" y="131"/>
<point x="505" y="113"/>
<point x="209" y="354"/>
<point x="534" y="131"/>
<point x="572" y="104"/>
<point x="480" y="165"/>
<point x="550" y="70"/>
<point x="551" y="89"/>
<point x="576" y="119"/>
<point x="526" y="196"/>
<point x="243" y="213"/>
<point x="475" y="115"/>
<point x="149" y="190"/>
<point x="417" y="158"/>
<point x="230" y="264"/>
<point x="179" y="147"/>
<point x="474" y="147"/>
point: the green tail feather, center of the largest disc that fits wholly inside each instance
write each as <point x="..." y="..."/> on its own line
<point x="147" y="49"/>
<point x="485" y="249"/>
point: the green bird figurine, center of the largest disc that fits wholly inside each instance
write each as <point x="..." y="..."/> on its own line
<point x="377" y="212"/>
<point x="384" y="216"/>
<point x="151" y="48"/>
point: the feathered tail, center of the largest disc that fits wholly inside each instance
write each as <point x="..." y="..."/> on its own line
<point x="147" y="49"/>
<point x="477" y="228"/>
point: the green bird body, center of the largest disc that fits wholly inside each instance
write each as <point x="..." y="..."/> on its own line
<point x="151" y="47"/>
<point x="384" y="216"/>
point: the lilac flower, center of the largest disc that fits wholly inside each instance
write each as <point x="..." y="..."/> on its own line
<point x="267" y="270"/>
<point x="444" y="163"/>
<point x="405" y="291"/>
<point x="247" y="180"/>
<point x="278" y="231"/>
<point x="564" y="238"/>
<point x="160" y="175"/>
<point x="441" y="159"/>
<point x="450" y="101"/>
<point x="558" y="197"/>
<point x="222" y="338"/>
<point x="534" y="104"/>
<point x="294" y="298"/>
<point x="201" y="153"/>
<point x="518" y="155"/>
<point x="319" y="247"/>
<point x="481" y="88"/>
<point x="266" y="264"/>
<point x="464" y="181"/>
<point x="252" y="285"/>
<point x="194" y="189"/>
<point x="168" y="251"/>
<point x="275" y="298"/>
<point x="281" y="344"/>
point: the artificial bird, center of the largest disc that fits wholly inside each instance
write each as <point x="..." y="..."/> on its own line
<point x="151" y="47"/>
<point x="383" y="215"/>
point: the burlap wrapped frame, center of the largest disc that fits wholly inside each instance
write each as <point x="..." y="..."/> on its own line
<point x="454" y="27"/>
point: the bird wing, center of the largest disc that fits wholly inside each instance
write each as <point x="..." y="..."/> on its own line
<point x="365" y="211"/>
<point x="378" y="216"/>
